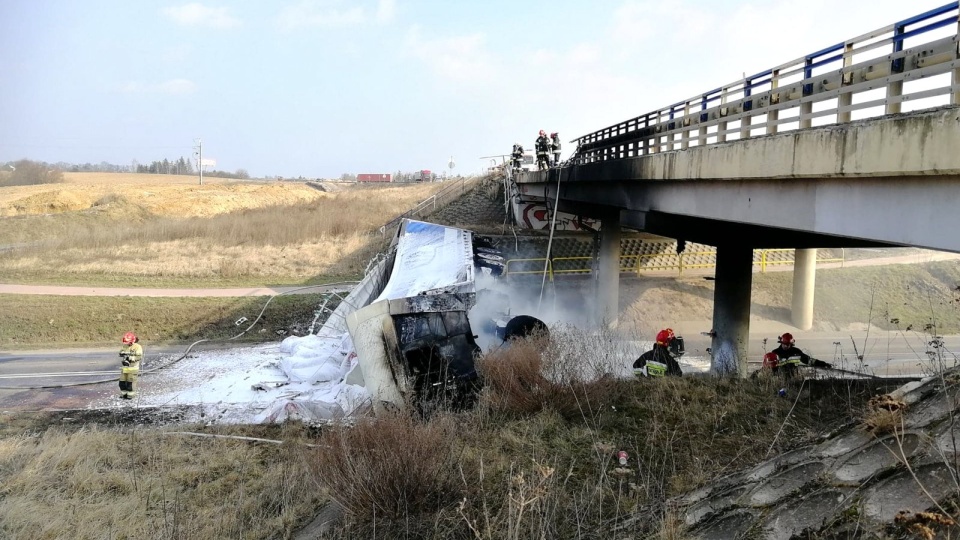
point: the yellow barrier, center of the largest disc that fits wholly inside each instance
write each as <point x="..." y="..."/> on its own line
<point x="506" y="267"/>
<point x="634" y="263"/>
<point x="764" y="263"/>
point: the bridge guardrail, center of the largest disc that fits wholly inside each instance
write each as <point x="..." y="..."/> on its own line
<point x="442" y="197"/>
<point x="634" y="263"/>
<point x="839" y="79"/>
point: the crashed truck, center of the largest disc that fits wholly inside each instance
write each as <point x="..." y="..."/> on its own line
<point x="409" y="321"/>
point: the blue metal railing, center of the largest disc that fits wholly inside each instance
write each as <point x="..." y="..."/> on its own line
<point x="708" y="117"/>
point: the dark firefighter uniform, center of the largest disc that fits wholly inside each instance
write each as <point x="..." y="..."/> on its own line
<point x="130" y="356"/>
<point x="657" y="362"/>
<point x="555" y="147"/>
<point x="661" y="360"/>
<point x="790" y="358"/>
<point x="517" y="157"/>
<point x="543" y="151"/>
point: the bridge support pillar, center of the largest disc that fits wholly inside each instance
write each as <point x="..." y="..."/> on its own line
<point x="731" y="310"/>
<point x="608" y="274"/>
<point x="804" y="277"/>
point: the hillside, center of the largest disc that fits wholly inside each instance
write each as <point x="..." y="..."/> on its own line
<point x="167" y="227"/>
<point x="538" y="457"/>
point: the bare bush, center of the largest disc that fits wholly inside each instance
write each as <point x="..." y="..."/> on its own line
<point x="531" y="375"/>
<point x="884" y="415"/>
<point x="390" y="467"/>
<point x="28" y="173"/>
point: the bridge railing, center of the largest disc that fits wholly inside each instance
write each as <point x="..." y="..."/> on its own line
<point x="914" y="62"/>
<point x="634" y="264"/>
<point x="447" y="194"/>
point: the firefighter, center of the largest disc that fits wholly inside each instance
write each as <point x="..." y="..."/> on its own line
<point x="543" y="151"/>
<point x="786" y="358"/>
<point x="517" y="156"/>
<point x="130" y="356"/>
<point x="555" y="147"/>
<point x="662" y="359"/>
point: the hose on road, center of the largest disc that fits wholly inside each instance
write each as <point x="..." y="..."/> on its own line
<point x="188" y="349"/>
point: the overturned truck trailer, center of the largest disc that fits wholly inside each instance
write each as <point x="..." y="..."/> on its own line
<point x="413" y="340"/>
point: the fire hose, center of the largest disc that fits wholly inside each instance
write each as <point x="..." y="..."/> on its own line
<point x="182" y="355"/>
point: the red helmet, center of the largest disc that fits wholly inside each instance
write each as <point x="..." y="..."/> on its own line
<point x="786" y="338"/>
<point x="770" y="360"/>
<point x="129" y="338"/>
<point x="542" y="133"/>
<point x="665" y="336"/>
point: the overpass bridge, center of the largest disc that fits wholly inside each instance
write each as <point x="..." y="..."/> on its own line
<point x="854" y="145"/>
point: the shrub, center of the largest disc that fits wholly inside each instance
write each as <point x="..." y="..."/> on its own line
<point x="390" y="467"/>
<point x="26" y="173"/>
<point x="534" y="373"/>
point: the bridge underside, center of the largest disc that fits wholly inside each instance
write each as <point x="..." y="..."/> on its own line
<point x="716" y="232"/>
<point x="890" y="181"/>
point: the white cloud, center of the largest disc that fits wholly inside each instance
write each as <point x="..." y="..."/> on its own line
<point x="173" y="87"/>
<point x="386" y="9"/>
<point x="199" y="15"/>
<point x="463" y="59"/>
<point x="321" y="13"/>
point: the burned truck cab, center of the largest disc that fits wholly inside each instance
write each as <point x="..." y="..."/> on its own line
<point x="414" y="341"/>
<point x="438" y="350"/>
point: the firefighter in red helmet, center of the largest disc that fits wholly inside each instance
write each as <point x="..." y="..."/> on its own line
<point x="770" y="360"/>
<point x="130" y="356"/>
<point x="789" y="357"/>
<point x="661" y="360"/>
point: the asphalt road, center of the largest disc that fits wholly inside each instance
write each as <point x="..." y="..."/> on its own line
<point x="173" y="293"/>
<point x="885" y="354"/>
<point x="21" y="370"/>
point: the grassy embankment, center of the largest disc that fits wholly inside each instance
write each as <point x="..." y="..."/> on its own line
<point x="536" y="459"/>
<point x="141" y="231"/>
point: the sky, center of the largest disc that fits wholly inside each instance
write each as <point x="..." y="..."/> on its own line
<point x="321" y="88"/>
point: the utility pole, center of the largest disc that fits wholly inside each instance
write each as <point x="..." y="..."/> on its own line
<point x="199" y="154"/>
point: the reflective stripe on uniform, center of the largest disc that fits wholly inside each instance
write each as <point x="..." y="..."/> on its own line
<point x="793" y="361"/>
<point x="656" y="369"/>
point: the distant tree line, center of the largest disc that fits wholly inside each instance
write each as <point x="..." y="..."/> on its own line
<point x="240" y="174"/>
<point x="28" y="173"/>
<point x="180" y="166"/>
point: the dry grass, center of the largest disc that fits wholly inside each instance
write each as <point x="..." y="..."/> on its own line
<point x="884" y="414"/>
<point x="490" y="473"/>
<point x="413" y="466"/>
<point x="537" y="458"/>
<point x="35" y="320"/>
<point x="105" y="178"/>
<point x="227" y="229"/>
<point x="106" y="483"/>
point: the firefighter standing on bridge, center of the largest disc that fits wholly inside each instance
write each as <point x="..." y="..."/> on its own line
<point x="517" y="156"/>
<point x="543" y="151"/>
<point x="555" y="147"/>
<point x="787" y="358"/>
<point x="662" y="359"/>
<point x="130" y="356"/>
